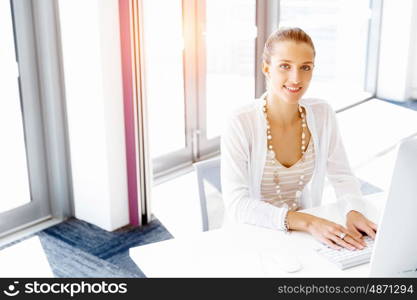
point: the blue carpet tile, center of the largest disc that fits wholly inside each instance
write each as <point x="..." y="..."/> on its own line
<point x="107" y="247"/>
<point x="104" y="244"/>
<point x="68" y="261"/>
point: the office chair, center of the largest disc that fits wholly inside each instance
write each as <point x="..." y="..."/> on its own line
<point x="207" y="171"/>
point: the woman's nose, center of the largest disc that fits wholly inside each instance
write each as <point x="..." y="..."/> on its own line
<point x="295" y="77"/>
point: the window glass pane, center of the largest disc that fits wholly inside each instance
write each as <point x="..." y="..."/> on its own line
<point x="339" y="29"/>
<point x="14" y="180"/>
<point x="163" y="52"/>
<point x="230" y="58"/>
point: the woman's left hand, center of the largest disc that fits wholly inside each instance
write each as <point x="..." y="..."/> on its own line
<point x="357" y="223"/>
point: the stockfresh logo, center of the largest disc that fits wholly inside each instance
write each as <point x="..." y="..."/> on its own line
<point x="12" y="290"/>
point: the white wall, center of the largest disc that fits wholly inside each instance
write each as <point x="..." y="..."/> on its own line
<point x="397" y="76"/>
<point x="93" y="83"/>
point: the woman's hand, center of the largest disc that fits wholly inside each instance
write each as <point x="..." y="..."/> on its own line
<point x="357" y="223"/>
<point x="325" y="231"/>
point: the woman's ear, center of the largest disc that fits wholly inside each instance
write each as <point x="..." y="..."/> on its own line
<point x="265" y="69"/>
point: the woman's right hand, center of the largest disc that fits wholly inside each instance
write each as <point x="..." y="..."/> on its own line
<point x="324" y="230"/>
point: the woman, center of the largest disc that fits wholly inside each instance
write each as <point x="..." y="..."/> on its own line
<point x="277" y="151"/>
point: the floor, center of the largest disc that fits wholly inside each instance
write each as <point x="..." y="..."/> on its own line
<point x="370" y="133"/>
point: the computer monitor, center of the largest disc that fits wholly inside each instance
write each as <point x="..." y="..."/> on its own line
<point x="395" y="248"/>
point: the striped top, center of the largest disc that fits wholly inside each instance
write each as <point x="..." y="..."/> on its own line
<point x="289" y="178"/>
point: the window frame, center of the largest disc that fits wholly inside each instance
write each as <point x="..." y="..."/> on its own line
<point x="37" y="44"/>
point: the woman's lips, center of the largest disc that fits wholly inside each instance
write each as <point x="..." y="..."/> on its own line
<point x="293" y="90"/>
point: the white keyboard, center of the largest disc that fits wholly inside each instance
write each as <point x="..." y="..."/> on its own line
<point x="346" y="258"/>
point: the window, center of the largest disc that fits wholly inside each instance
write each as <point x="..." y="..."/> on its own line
<point x="14" y="178"/>
<point x="230" y="58"/>
<point x="340" y="30"/>
<point x="208" y="61"/>
<point x="196" y="70"/>
<point x="163" y="49"/>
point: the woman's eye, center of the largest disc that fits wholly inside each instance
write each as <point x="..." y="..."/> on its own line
<point x="306" y="68"/>
<point x="284" y="66"/>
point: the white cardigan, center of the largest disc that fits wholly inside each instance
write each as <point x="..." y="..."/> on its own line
<point x="243" y="155"/>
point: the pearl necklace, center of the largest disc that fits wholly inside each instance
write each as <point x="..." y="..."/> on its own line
<point x="275" y="162"/>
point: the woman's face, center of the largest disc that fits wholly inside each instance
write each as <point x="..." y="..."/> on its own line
<point x="290" y="70"/>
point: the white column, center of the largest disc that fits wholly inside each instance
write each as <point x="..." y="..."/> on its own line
<point x="94" y="95"/>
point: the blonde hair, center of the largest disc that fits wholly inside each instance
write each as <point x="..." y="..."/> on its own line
<point x="285" y="34"/>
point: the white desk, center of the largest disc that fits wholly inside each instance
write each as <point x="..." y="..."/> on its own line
<point x="238" y="251"/>
<point x="25" y="259"/>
